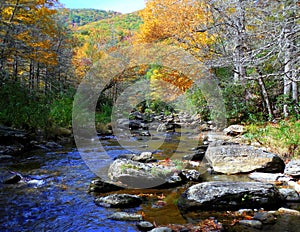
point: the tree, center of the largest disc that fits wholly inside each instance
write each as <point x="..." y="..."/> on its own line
<point x="179" y="22"/>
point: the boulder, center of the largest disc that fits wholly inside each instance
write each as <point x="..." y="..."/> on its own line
<point x="236" y="158"/>
<point x="143" y="175"/>
<point x="219" y="195"/>
<point x="293" y="168"/>
<point x="119" y="201"/>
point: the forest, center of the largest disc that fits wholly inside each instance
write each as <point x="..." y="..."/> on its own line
<point x="251" y="48"/>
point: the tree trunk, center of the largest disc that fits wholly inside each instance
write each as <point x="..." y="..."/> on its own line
<point x="265" y="97"/>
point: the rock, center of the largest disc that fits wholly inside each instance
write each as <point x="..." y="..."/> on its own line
<point x="288" y="211"/>
<point x="162" y="127"/>
<point x="289" y="194"/>
<point x="11" y="149"/>
<point x="245" y="211"/>
<point x="9" y="136"/>
<point x="197" y="156"/>
<point x="13" y="179"/>
<point x="5" y="157"/>
<point x="119" y="201"/>
<point x="123" y="216"/>
<point x="144" y="133"/>
<point x="265" y="217"/>
<point x="293" y="168"/>
<point x="235" y="158"/>
<point x="294" y="185"/>
<point x="251" y="223"/>
<point x="234" y="130"/>
<point x="269" y="177"/>
<point x="53" y="145"/>
<point x="135" y="125"/>
<point x="229" y="195"/>
<point x="143" y="157"/>
<point x="191" y="175"/>
<point x="142" y="175"/>
<point x="161" y="229"/>
<point x="144" y="226"/>
<point x="100" y="186"/>
<point x="61" y="131"/>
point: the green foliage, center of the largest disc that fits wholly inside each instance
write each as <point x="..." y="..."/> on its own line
<point x="80" y="17"/>
<point x="22" y="109"/>
<point x="196" y="100"/>
<point x="104" y="115"/>
<point x="61" y="109"/>
<point x="283" y="138"/>
<point x="155" y="106"/>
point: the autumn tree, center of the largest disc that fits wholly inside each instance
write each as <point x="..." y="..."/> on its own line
<point x="31" y="41"/>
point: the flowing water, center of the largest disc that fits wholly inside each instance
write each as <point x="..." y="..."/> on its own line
<point x="54" y="196"/>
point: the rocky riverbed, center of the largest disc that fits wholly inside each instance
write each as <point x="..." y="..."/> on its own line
<point x="214" y="186"/>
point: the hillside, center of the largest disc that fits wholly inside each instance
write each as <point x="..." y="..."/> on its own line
<point x="80" y="17"/>
<point x="112" y="29"/>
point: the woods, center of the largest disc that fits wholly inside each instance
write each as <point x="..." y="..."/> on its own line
<point x="250" y="47"/>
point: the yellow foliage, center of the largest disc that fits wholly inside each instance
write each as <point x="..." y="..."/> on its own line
<point x="180" y="22"/>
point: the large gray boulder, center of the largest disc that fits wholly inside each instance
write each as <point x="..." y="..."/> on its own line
<point x="236" y="158"/>
<point x="132" y="174"/>
<point x="219" y="195"/>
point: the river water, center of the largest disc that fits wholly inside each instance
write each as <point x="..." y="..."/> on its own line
<point x="55" y="197"/>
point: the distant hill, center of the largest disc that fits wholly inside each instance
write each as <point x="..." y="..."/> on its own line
<point x="80" y="17"/>
<point x="116" y="28"/>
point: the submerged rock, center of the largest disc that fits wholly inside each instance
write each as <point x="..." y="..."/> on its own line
<point x="144" y="226"/>
<point x="100" y="186"/>
<point x="229" y="195"/>
<point x="123" y="216"/>
<point x="251" y="223"/>
<point x="236" y="158"/>
<point x="12" y="179"/>
<point x="119" y="201"/>
<point x="265" y="217"/>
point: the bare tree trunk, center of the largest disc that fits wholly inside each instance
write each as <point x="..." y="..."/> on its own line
<point x="266" y="98"/>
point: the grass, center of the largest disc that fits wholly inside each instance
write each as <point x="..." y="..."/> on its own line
<point x="283" y="138"/>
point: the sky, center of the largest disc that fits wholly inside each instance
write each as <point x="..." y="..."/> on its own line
<point x="123" y="6"/>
